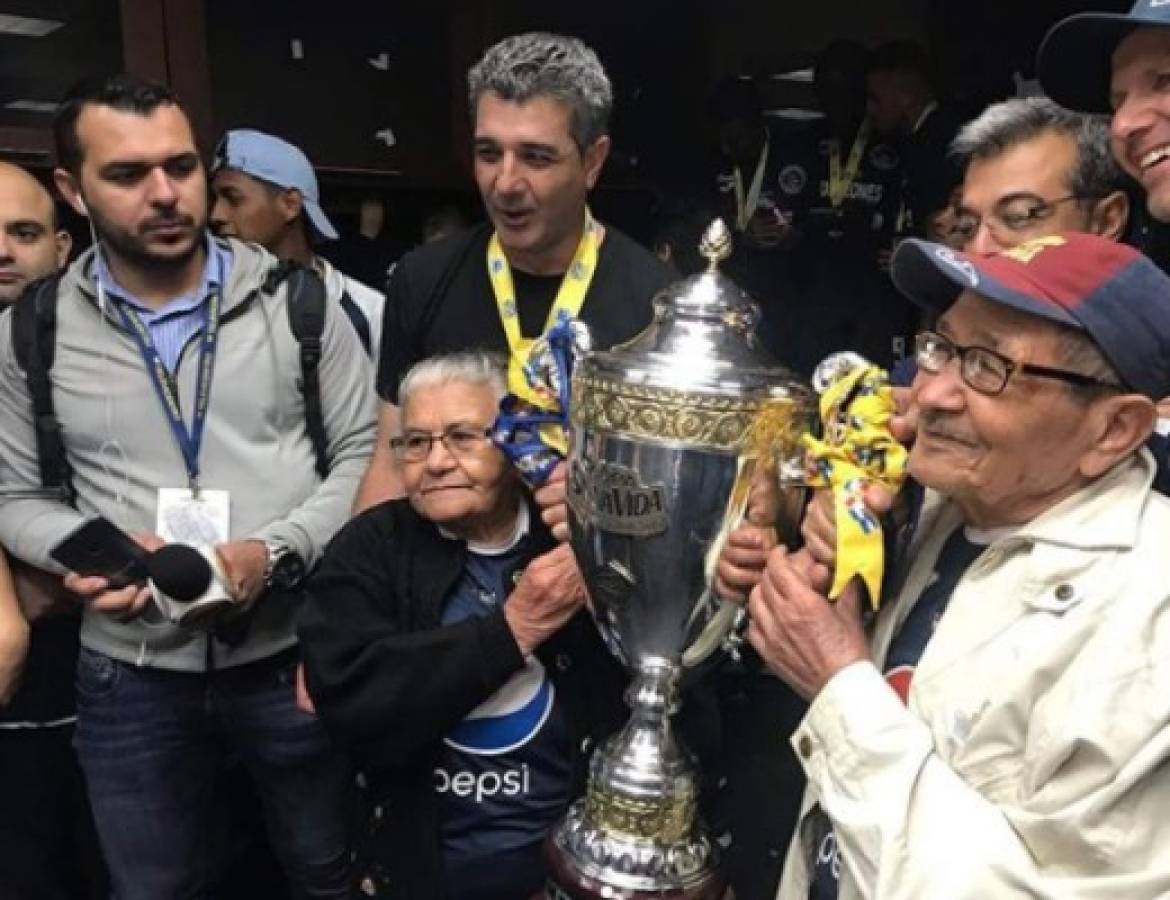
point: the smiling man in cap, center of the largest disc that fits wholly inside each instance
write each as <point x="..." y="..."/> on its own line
<point x="1119" y="63"/>
<point x="1004" y="729"/>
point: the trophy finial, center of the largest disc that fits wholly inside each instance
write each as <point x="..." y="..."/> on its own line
<point x="716" y="244"/>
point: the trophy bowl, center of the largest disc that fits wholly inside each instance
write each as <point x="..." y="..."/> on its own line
<point x="676" y="437"/>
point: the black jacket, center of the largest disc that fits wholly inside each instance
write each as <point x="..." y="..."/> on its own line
<point x="389" y="681"/>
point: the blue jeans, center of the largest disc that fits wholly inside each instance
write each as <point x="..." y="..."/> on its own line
<point x="151" y="743"/>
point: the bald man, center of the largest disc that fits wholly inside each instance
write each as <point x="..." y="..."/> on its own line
<point x="46" y="843"/>
<point x="31" y="244"/>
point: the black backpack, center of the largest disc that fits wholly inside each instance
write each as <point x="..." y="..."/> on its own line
<point x="34" y="339"/>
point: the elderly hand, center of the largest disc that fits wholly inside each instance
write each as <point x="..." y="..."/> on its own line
<point x="243" y="564"/>
<point x="819" y="527"/>
<point x="803" y="637"/>
<point x="548" y="595"/>
<point x="124" y="603"/>
<point x="550" y="497"/>
<point x="742" y="560"/>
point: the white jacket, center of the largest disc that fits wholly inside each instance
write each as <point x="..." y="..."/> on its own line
<point x="1033" y="759"/>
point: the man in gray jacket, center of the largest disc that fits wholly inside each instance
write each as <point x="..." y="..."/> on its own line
<point x="176" y="382"/>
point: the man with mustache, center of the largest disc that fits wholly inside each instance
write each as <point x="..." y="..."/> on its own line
<point x="540" y="106"/>
<point x="1034" y="168"/>
<point x="175" y="385"/>
<point x="1015" y="678"/>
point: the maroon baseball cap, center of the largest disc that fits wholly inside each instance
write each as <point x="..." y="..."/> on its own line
<point x="1107" y="290"/>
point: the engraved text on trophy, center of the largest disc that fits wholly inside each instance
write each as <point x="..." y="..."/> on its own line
<point x="614" y="500"/>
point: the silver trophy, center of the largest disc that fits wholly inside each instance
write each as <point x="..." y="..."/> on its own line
<point x="676" y="437"/>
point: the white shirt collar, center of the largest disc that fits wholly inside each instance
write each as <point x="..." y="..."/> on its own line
<point x="519" y="532"/>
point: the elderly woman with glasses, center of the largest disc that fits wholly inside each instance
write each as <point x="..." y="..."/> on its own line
<point x="447" y="645"/>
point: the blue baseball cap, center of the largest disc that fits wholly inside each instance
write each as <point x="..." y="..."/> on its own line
<point x="278" y="162"/>
<point x="1075" y="60"/>
<point x="1107" y="290"/>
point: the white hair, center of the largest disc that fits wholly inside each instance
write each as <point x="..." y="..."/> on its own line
<point x="466" y="366"/>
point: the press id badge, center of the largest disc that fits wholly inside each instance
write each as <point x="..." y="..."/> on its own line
<point x="199" y="521"/>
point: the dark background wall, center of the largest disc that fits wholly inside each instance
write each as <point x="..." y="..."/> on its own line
<point x="362" y="67"/>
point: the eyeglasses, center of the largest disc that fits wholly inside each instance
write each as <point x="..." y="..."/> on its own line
<point x="1011" y="217"/>
<point x="986" y="371"/>
<point x="460" y="440"/>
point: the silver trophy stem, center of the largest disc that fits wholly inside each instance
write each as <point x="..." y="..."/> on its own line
<point x="636" y="827"/>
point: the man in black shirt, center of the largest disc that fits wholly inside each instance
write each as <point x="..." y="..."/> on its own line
<point x="540" y="107"/>
<point x="902" y="104"/>
<point x="839" y="190"/>
<point x="758" y="172"/>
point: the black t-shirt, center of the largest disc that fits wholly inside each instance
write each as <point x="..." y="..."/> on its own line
<point x="833" y="295"/>
<point x="763" y="272"/>
<point x="440" y="300"/>
<point x="864" y="220"/>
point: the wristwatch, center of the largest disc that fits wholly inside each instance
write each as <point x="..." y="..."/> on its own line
<point x="284" y="568"/>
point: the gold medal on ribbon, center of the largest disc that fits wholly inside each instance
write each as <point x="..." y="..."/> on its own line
<point x="841" y="180"/>
<point x="569" y="300"/>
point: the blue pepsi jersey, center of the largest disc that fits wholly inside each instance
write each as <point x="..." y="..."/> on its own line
<point x="504" y="773"/>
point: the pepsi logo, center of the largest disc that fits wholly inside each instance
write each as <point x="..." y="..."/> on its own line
<point x="508" y="719"/>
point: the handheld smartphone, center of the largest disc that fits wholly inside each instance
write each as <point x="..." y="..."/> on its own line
<point x="99" y="547"/>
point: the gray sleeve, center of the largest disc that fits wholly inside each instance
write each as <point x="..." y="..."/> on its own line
<point x="28" y="528"/>
<point x="348" y="408"/>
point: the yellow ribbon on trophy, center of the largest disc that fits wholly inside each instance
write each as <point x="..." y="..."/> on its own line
<point x="569" y="300"/>
<point x="857" y="449"/>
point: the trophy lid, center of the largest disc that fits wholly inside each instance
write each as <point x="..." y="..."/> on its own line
<point x="703" y="337"/>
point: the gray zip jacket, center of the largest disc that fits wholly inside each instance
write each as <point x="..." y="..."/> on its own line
<point x="255" y="445"/>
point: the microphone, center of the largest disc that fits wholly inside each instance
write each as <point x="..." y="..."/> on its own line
<point x="179" y="571"/>
<point x="188" y="584"/>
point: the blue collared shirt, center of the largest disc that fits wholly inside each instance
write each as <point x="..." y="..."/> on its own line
<point x="177" y="320"/>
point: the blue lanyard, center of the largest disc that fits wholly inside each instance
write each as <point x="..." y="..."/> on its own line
<point x="168" y="389"/>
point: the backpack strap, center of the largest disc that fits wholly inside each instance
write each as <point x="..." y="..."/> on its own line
<point x="34" y="343"/>
<point x="306" y="320"/>
<point x="358" y="318"/>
